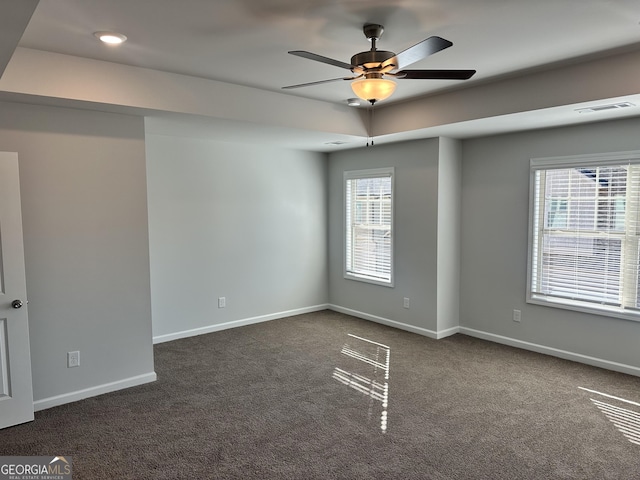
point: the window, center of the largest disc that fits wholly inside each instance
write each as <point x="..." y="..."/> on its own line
<point x="369" y="225"/>
<point x="585" y="233"/>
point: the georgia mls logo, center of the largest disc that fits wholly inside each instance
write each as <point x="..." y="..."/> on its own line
<point x="35" y="468"/>
<point x="63" y="465"/>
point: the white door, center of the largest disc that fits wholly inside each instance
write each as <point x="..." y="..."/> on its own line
<point x="16" y="393"/>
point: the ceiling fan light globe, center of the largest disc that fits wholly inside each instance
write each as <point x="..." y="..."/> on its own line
<point x="373" y="89"/>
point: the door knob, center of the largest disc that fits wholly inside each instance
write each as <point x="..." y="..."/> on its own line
<point x="17" y="304"/>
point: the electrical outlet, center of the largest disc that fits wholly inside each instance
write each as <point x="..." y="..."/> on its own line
<point x="73" y="359"/>
<point x="222" y="302"/>
<point x="405" y="302"/>
<point x="517" y="315"/>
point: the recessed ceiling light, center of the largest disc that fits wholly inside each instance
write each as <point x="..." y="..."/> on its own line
<point x="112" y="38"/>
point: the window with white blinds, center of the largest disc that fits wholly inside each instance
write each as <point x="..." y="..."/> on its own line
<point x="585" y="224"/>
<point x="369" y="225"/>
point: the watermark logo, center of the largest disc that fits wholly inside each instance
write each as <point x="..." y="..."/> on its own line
<point x="36" y="468"/>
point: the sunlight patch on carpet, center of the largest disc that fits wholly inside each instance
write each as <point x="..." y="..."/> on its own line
<point x="626" y="421"/>
<point x="368" y="375"/>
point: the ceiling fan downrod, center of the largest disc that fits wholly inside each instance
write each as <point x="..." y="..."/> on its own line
<point x="373" y="32"/>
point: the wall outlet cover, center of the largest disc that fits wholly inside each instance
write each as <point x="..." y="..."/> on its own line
<point x="73" y="359"/>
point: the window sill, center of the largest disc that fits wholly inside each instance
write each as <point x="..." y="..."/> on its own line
<point x="584" y="307"/>
<point x="365" y="279"/>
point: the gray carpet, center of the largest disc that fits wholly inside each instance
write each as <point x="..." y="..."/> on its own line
<point x="302" y="398"/>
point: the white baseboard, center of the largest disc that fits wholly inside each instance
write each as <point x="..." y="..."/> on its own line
<point x="576" y="357"/>
<point x="236" y="323"/>
<point x="392" y="323"/>
<point x="93" y="391"/>
<point x="448" y="332"/>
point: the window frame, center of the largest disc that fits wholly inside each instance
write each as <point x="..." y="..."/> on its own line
<point x="363" y="174"/>
<point x="565" y="162"/>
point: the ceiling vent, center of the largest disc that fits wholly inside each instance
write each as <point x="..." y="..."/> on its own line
<point x="601" y="108"/>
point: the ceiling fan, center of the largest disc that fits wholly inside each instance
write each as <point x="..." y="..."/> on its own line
<point x="371" y="67"/>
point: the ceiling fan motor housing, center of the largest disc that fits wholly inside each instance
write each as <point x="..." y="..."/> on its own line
<point x="371" y="58"/>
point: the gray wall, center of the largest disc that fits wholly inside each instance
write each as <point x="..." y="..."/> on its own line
<point x="83" y="188"/>
<point x="415" y="239"/>
<point x="495" y="208"/>
<point x="245" y="222"/>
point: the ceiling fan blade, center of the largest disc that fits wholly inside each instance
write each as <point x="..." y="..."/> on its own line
<point x="319" y="82"/>
<point x="320" y="58"/>
<point x="435" y="74"/>
<point x="421" y="50"/>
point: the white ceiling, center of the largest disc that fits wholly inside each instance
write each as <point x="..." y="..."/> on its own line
<point x="245" y="42"/>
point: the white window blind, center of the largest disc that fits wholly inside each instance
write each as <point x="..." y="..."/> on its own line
<point x="585" y="233"/>
<point x="369" y="225"/>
